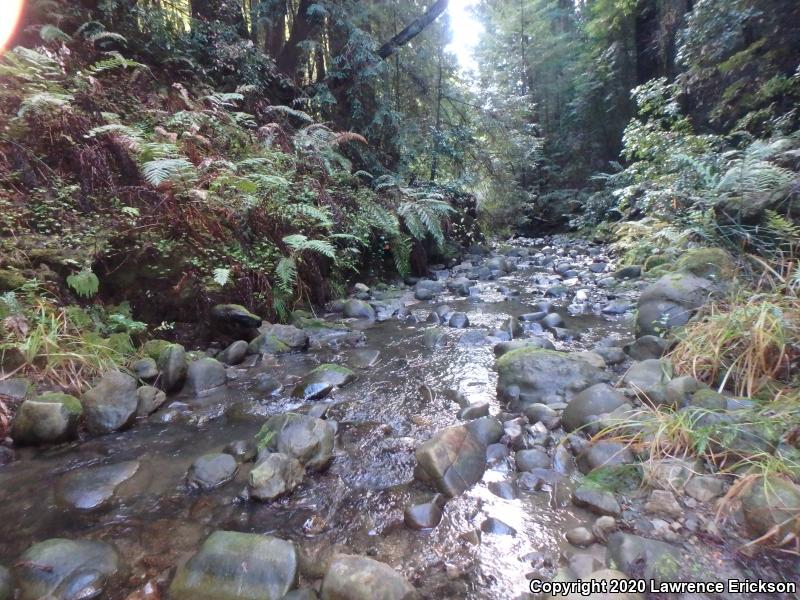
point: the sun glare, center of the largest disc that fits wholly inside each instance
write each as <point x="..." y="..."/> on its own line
<point x="9" y="15"/>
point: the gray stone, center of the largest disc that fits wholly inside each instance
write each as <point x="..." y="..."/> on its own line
<point x="361" y="578"/>
<point x="771" y="505"/>
<point x="495" y="526"/>
<point x="503" y="489"/>
<point x="630" y="272"/>
<point x="603" y="527"/>
<point x="322" y="381"/>
<point x="543" y="377"/>
<point x="662" y="502"/>
<point x="458" y="320"/>
<point x="513" y="327"/>
<point x="145" y="369"/>
<point x="64" y="569"/>
<point x="211" y="471"/>
<point x="580" y="537"/>
<point x="585" y="407"/>
<point x="149" y="400"/>
<point x="305" y="438"/>
<point x="459" y="286"/>
<point x="267" y="384"/>
<point x="552" y="321"/>
<point x="241" y="450"/>
<point x="453" y="460"/>
<point x="604" y="453"/>
<point x="543" y="413"/>
<point x="670" y="474"/>
<point x="641" y="557"/>
<point x="610" y="354"/>
<point x="679" y="391"/>
<point x="279" y="339"/>
<point x="173" y="366"/>
<point x="275" y="475"/>
<point x="93" y="487"/>
<point x="708" y="399"/>
<point x="534" y="458"/>
<point x="424" y="516"/>
<point x="358" y="309"/>
<point x="111" y="404"/>
<point x="671" y="301"/>
<point x="204" y="376"/>
<point x="648" y="378"/>
<point x="474" y="411"/>
<point x="17" y="388"/>
<point x="705" y="488"/>
<point x="598" y="501"/>
<point x="238" y="566"/>
<point x="647" y="347"/>
<point x="50" y="418"/>
<point x="487" y="430"/>
<point x="536" y="342"/>
<point x="234" y="354"/>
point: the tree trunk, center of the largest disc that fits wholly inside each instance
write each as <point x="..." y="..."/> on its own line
<point x="437" y="132"/>
<point x="413" y="30"/>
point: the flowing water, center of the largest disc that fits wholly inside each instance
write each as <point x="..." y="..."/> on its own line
<point x="357" y="505"/>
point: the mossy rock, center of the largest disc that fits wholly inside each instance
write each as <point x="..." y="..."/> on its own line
<point x="154" y="348"/>
<point x="657" y="260"/>
<point x="71" y="403"/>
<point x="709" y="263"/>
<point x="11" y="279"/>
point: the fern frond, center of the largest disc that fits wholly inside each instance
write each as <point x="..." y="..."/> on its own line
<point x="343" y="138"/>
<point x="51" y="33"/>
<point x="400" y="247"/>
<point x="160" y="170"/>
<point x="44" y="102"/>
<point x="286" y="274"/>
<point x="320" y="215"/>
<point x="104" y="38"/>
<point x="292" y="112"/>
<point x="223" y="100"/>
<point x="115" y="61"/>
<point x="300" y="243"/>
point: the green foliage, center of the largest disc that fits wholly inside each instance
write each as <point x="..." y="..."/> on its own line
<point x="85" y="283"/>
<point x="423" y="218"/>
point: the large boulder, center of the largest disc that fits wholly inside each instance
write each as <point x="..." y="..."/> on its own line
<point x="453" y="460"/>
<point x="671" y="301"/>
<point x="604" y="453"/>
<point x="111" y="404"/>
<point x="536" y="376"/>
<point x="322" y="381"/>
<point x="61" y="569"/>
<point x="649" y="379"/>
<point x="594" y="499"/>
<point x="150" y="399"/>
<point x="93" y="487"/>
<point x="173" y="366"/>
<point x="47" y="419"/>
<point x="234" y="354"/>
<point x="597" y="400"/>
<point x="274" y="475"/>
<point x="235" y="315"/>
<point x="361" y="578"/>
<point x="358" y="309"/>
<point x="708" y="263"/>
<point x="238" y="566"/>
<point x="641" y="557"/>
<point x="279" y="339"/>
<point x="308" y="439"/>
<point x="771" y="506"/>
<point x="205" y="375"/>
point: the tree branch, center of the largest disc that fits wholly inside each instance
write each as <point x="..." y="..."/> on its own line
<point x="413" y="30"/>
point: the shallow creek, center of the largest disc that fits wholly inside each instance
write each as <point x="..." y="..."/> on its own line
<point x="356" y="506"/>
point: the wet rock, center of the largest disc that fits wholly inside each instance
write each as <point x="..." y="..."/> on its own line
<point x="598" y="267"/>
<point x="557" y="291"/>
<point x="514" y="433"/>
<point x="641" y="557"/>
<point x="234" y="354"/>
<point x="543" y="376"/>
<point x="50" y="418"/>
<point x="592" y="358"/>
<point x="583" y="564"/>
<point x="267" y="384"/>
<point x="145" y="369"/>
<point x="503" y="489"/>
<point x="459" y="286"/>
<point x="648" y="379"/>
<point x="279" y="339"/>
<point x="424" y="516"/>
<point x="604" y="453"/>
<point x="610" y="354"/>
<point x="513" y="327"/>
<point x="453" y="460"/>
<point x="499" y="263"/>
<point x="6" y="456"/>
<point x="647" y="347"/>
<point x="91" y="488"/>
<point x="275" y="475"/>
<point x="434" y="338"/>
<point x="662" y="502"/>
<point x="17" y="388"/>
<point x="211" y="471"/>
<point x="305" y="438"/>
<point x="580" y="537"/>
<point x="173" y="366"/>
<point x="487" y="430"/>
<point x="241" y="450"/>
<point x="474" y="411"/>
<point x="772" y="504"/>
<point x="322" y="381"/>
<point x="205" y="375"/>
<point x="497" y="527"/>
<point x="562" y="460"/>
<point x="358" y="309"/>
<point x="236" y="315"/>
<point x="671" y="301"/>
<point x="705" y="488"/>
<point x="552" y="321"/>
<point x="458" y="320"/>
<point x="616" y="307"/>
<point x="532" y="317"/>
<point x="585" y="407"/>
<point x="536" y="342"/>
<point x="535" y="480"/>
<point x="361" y="578"/>
<point x="238" y="566"/>
<point x="62" y="569"/>
<point x="111" y="404"/>
<point x="542" y="413"/>
<point x="428" y="290"/>
<point x="497" y="453"/>
<point x="630" y="272"/>
<point x="709" y="263"/>
<point x="679" y="391"/>
<point x="364" y="359"/>
<point x="708" y="399"/>
<point x="596" y="500"/>
<point x="149" y="400"/>
<point x="534" y="458"/>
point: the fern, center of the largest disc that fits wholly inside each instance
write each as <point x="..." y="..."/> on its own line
<point x="400" y="248"/>
<point x="132" y="138"/>
<point x="379" y="218"/>
<point x="320" y="215"/>
<point x="51" y="33"/>
<point x="102" y="39"/>
<point x="85" y="283"/>
<point x="286" y="274"/>
<point x="424" y="218"/>
<point x="300" y="243"/>
<point x="287" y="110"/>
<point x="223" y="100"/>
<point x="43" y="102"/>
<point x="161" y="170"/>
<point x="115" y="61"/>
